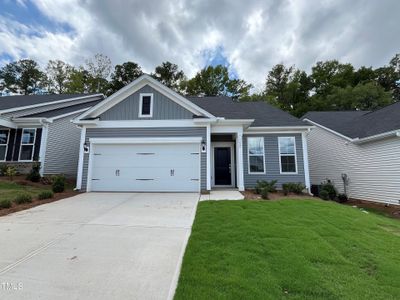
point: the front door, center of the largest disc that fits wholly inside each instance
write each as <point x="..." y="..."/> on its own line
<point x="222" y="166"/>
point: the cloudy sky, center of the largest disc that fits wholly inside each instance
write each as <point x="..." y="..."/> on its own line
<point x="249" y="36"/>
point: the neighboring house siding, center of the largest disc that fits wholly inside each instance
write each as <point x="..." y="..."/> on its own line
<point x="272" y="161"/>
<point x="62" y="150"/>
<point x="163" y="108"/>
<point x="146" y="132"/>
<point x="30" y="111"/>
<point x="373" y="168"/>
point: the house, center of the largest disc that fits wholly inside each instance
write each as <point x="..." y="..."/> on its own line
<point x="362" y="146"/>
<point x="146" y="137"/>
<point x="38" y="128"/>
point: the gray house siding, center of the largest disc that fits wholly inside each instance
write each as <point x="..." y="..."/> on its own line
<point x="146" y="132"/>
<point x="62" y="149"/>
<point x="163" y="108"/>
<point x="272" y="161"/>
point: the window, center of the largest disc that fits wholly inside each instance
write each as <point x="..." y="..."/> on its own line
<point x="27" y="144"/>
<point x="287" y="154"/>
<point x="146" y="105"/>
<point x="4" y="134"/>
<point x="255" y="153"/>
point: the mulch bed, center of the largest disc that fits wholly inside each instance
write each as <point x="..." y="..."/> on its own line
<point x="278" y="195"/>
<point x="35" y="202"/>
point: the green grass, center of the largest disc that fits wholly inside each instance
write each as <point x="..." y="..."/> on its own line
<point x="290" y="249"/>
<point x="9" y="190"/>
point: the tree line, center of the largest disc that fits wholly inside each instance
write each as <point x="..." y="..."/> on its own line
<point x="331" y="85"/>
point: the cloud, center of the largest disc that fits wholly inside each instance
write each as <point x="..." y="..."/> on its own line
<point x="250" y="36"/>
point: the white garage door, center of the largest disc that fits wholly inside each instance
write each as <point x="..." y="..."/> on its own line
<point x="145" y="167"/>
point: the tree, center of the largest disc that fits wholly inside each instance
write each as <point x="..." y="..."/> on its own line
<point x="215" y="81"/>
<point x="23" y="76"/>
<point x="58" y="73"/>
<point x="170" y="75"/>
<point x="99" y="68"/>
<point x="78" y="81"/>
<point x="277" y="84"/>
<point x="368" y="96"/>
<point x="123" y="75"/>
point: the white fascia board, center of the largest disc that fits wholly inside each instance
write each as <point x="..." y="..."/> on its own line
<point x="49" y="103"/>
<point x="7" y="123"/>
<point x="175" y="140"/>
<point x="394" y="133"/>
<point x="133" y="87"/>
<point x="139" y="123"/>
<point x="279" y="128"/>
<point x="67" y="114"/>
<point x="226" y="129"/>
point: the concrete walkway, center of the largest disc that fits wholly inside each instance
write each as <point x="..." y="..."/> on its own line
<point x="96" y="246"/>
<point x="222" y="195"/>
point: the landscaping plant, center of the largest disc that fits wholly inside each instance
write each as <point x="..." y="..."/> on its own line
<point x="58" y="185"/>
<point x="46" y="195"/>
<point x="5" y="203"/>
<point x="270" y="186"/>
<point x="293" y="187"/>
<point x="11" y="172"/>
<point x="23" y="198"/>
<point x="264" y="193"/>
<point x="323" y="194"/>
<point x="34" y="174"/>
<point x="329" y="188"/>
<point x="342" y="198"/>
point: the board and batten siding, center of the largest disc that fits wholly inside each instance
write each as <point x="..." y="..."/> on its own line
<point x="148" y="133"/>
<point x="373" y="168"/>
<point x="272" y="161"/>
<point x="62" y="149"/>
<point x="163" y="108"/>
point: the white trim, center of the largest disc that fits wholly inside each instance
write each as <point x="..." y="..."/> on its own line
<point x="67" y="114"/>
<point x="80" y="159"/>
<point x="48" y="103"/>
<point x="280" y="155"/>
<point x="139" y="123"/>
<point x="262" y="129"/>
<point x="229" y="145"/>
<point x="208" y="141"/>
<point x="7" y="123"/>
<point x="225" y="129"/>
<point x="273" y="132"/>
<point x="30" y="144"/>
<point x="90" y="168"/>
<point x="248" y="156"/>
<point x="305" y="162"/>
<point x="141" y="95"/>
<point x="174" y="140"/>
<point x="136" y="85"/>
<point x="330" y="130"/>
<point x="223" y="122"/>
<point x="43" y="146"/>
<point x="393" y="133"/>
<point x="6" y="144"/>
<point x="239" y="160"/>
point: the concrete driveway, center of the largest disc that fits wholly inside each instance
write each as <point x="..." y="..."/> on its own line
<point x="96" y="246"/>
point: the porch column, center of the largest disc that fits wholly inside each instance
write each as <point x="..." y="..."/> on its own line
<point x="239" y="159"/>
<point x="80" y="159"/>
<point x="305" y="160"/>
<point x="43" y="146"/>
<point x="208" y="154"/>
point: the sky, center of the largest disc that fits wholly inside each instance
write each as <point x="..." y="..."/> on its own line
<point x="249" y="37"/>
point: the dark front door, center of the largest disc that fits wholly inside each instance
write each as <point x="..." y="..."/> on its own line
<point x="222" y="166"/>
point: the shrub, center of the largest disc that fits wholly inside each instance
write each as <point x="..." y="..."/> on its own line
<point x="34" y="174"/>
<point x="5" y="203"/>
<point x="330" y="188"/>
<point x="323" y="194"/>
<point x="11" y="172"/>
<point x="292" y="187"/>
<point x="264" y="193"/>
<point x="3" y="169"/>
<point x="58" y="185"/>
<point x="46" y="195"/>
<point x="342" y="198"/>
<point x="23" y="198"/>
<point x="263" y="184"/>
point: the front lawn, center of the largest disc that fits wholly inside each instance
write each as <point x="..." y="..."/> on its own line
<point x="290" y="249"/>
<point x="9" y="189"/>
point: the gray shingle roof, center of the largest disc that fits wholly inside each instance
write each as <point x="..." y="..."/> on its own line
<point x="359" y="124"/>
<point x="263" y="113"/>
<point x="63" y="110"/>
<point x="8" y="102"/>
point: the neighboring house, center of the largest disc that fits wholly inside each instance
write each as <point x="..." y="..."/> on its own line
<point x="146" y="137"/>
<point x="363" y="145"/>
<point x="38" y="128"/>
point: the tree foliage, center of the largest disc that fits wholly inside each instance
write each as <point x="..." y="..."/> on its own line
<point x="124" y="74"/>
<point x="58" y="75"/>
<point x="170" y="75"/>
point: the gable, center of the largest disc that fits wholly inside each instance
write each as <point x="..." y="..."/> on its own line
<point x="163" y="108"/>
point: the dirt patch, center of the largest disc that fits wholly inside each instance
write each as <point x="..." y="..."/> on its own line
<point x="251" y="195"/>
<point x="385" y="209"/>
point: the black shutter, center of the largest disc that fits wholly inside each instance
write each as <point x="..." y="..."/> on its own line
<point x="36" y="148"/>
<point x="11" y="140"/>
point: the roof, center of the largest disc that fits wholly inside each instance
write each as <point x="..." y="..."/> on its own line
<point x="8" y="102"/>
<point x="63" y="110"/>
<point x="263" y="113"/>
<point x="359" y="124"/>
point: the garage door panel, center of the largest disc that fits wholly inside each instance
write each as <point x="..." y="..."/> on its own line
<point x="161" y="167"/>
